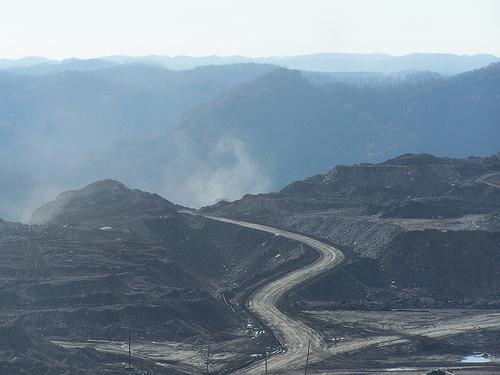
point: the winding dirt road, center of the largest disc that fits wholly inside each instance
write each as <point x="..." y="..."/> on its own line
<point x="293" y="334"/>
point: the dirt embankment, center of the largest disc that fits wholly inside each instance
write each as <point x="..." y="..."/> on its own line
<point x="425" y="230"/>
<point x="394" y="267"/>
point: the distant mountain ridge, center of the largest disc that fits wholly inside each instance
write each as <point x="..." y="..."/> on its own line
<point x="444" y="63"/>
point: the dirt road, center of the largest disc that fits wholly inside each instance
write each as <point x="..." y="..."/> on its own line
<point x="293" y="334"/>
<point x="491" y="179"/>
<point x="399" y="327"/>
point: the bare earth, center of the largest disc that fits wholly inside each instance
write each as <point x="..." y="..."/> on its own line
<point x="388" y="328"/>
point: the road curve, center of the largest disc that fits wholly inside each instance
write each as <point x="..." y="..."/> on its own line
<point x="293" y="334"/>
<point x="484" y="180"/>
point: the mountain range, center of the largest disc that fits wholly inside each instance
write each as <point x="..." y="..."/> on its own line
<point x="444" y="63"/>
<point x="219" y="132"/>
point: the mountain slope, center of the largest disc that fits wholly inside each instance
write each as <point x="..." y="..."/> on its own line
<point x="286" y="129"/>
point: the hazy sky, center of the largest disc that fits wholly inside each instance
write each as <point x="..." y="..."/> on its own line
<point x="90" y="28"/>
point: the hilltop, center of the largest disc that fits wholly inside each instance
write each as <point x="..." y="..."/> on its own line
<point x="103" y="202"/>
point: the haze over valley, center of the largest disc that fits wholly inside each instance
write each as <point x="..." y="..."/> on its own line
<point x="219" y="132"/>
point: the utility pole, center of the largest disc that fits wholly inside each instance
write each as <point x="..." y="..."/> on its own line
<point x="307" y="358"/>
<point x="265" y="361"/>
<point x="208" y="355"/>
<point x="129" y="352"/>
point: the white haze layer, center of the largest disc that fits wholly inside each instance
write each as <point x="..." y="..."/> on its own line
<point x="227" y="173"/>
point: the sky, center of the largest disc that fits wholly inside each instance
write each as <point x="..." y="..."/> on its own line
<point x="92" y="28"/>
